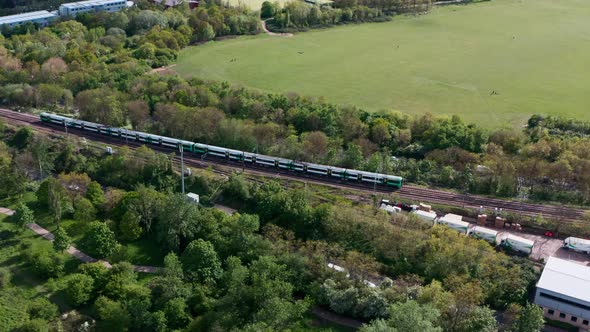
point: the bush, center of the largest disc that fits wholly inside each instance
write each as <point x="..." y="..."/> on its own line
<point x="80" y="288"/>
<point x="42" y="308"/>
<point x="45" y="263"/>
<point x="34" y="325"/>
<point x="23" y="216"/>
<point x="5" y="277"/>
<point x="100" y="240"/>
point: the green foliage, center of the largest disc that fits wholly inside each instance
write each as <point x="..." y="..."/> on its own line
<point x="42" y="308"/>
<point x="61" y="240"/>
<point x="237" y="187"/>
<point x="34" y="325"/>
<point x="410" y="316"/>
<point x="529" y="319"/>
<point x="268" y="10"/>
<point x="84" y="210"/>
<point x="45" y="263"/>
<point x="176" y="313"/>
<point x="22" y="138"/>
<point x="23" y="216"/>
<point x="79" y="289"/>
<point x="95" y="194"/>
<point x="200" y="262"/>
<point x="112" y="315"/>
<point x="129" y="228"/>
<point x="99" y="240"/>
<point x="5" y="277"/>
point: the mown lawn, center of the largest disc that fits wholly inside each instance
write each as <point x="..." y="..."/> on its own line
<point x="533" y="54"/>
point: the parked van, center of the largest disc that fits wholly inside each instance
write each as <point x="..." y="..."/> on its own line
<point x="577" y="244"/>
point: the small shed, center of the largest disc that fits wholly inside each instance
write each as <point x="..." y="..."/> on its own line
<point x="193" y="198"/>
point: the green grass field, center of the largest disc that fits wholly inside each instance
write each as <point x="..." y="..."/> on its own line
<point x="534" y="54"/>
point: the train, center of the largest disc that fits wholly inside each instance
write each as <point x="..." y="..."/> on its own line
<point x="247" y="159"/>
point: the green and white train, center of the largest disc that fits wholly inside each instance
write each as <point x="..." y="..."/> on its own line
<point x="245" y="158"/>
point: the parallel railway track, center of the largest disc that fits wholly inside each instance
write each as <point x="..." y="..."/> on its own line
<point x="413" y="193"/>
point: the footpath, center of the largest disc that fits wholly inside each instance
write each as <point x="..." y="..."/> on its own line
<point x="47" y="235"/>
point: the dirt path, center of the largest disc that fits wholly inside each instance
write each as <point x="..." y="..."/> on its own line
<point x="74" y="251"/>
<point x="161" y="69"/>
<point x="270" y="33"/>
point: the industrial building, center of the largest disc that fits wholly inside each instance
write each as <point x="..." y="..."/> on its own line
<point x="75" y="8"/>
<point x="41" y="18"/>
<point x="564" y="292"/>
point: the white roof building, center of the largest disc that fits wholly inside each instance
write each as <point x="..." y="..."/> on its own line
<point x="41" y="17"/>
<point x="564" y="292"/>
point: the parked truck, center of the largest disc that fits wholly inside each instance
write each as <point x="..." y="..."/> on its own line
<point x="426" y="216"/>
<point x="577" y="244"/>
<point x="485" y="234"/>
<point x="517" y="243"/>
<point x="454" y="221"/>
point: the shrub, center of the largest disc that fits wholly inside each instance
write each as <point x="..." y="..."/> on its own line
<point x="100" y="240"/>
<point x="80" y="288"/>
<point x="5" y="277"/>
<point x="45" y="263"/>
<point x="42" y="308"/>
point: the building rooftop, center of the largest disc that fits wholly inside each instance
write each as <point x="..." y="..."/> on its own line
<point x="566" y="278"/>
<point x="25" y="17"/>
<point x="88" y="3"/>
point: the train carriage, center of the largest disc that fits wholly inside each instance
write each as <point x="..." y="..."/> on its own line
<point x="230" y="154"/>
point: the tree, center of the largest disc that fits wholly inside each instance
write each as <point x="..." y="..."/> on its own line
<point x="42" y="308"/>
<point x="173" y="266"/>
<point x="112" y="314"/>
<point x="79" y="289"/>
<point x="353" y="156"/>
<point x="99" y="241"/>
<point x="57" y="199"/>
<point x="23" y="216"/>
<point x="5" y="277"/>
<point x="267" y="10"/>
<point x="412" y="317"/>
<point x="529" y="319"/>
<point x="101" y="105"/>
<point x="95" y="194"/>
<point x="22" y="138"/>
<point x="84" y="210"/>
<point x="480" y="319"/>
<point x="34" y="325"/>
<point x="200" y="261"/>
<point x="176" y="313"/>
<point x="129" y="228"/>
<point x="204" y="32"/>
<point x="61" y="239"/>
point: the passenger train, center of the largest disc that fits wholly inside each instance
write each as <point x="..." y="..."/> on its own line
<point x="247" y="158"/>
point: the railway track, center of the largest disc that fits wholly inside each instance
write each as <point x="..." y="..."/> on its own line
<point x="413" y="193"/>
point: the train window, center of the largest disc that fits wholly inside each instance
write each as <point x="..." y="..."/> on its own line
<point x="551" y="312"/>
<point x="574" y="319"/>
<point x="585" y="322"/>
<point x="561" y="315"/>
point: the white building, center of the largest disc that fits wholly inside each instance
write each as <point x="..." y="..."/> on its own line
<point x="42" y="18"/>
<point x="75" y="8"/>
<point x="564" y="292"/>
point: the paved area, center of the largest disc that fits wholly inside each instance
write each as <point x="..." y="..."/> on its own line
<point x="546" y="247"/>
<point x="225" y="209"/>
<point x="6" y="211"/>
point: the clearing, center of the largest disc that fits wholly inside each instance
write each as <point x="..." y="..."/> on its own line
<point x="532" y="54"/>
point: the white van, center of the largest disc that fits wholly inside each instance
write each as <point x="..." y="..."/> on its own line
<point x="577" y="244"/>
